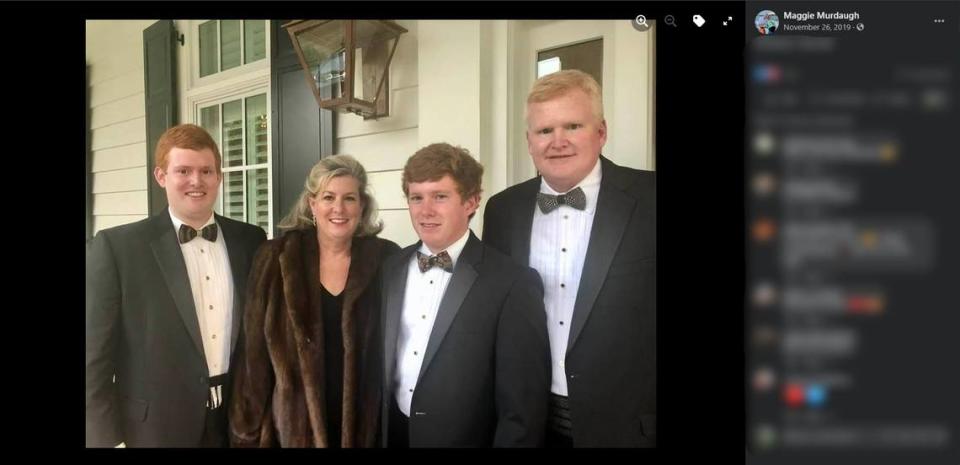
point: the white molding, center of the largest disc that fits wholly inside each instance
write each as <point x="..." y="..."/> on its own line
<point x="223" y="90"/>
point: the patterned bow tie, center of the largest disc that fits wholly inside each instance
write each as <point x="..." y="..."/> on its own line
<point x="186" y="233"/>
<point x="575" y="198"/>
<point x="441" y="260"/>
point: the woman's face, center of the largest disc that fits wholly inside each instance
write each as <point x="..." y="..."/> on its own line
<point x="337" y="208"/>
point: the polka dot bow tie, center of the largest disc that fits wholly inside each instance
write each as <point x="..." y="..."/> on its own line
<point x="575" y="198"/>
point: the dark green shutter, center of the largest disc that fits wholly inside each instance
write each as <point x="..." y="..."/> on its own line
<point x="160" y="95"/>
<point x="302" y="132"/>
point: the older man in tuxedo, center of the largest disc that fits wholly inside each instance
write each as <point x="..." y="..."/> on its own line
<point x="588" y="227"/>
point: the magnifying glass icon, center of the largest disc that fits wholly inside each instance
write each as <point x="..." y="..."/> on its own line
<point x="642" y="21"/>
<point x="669" y="21"/>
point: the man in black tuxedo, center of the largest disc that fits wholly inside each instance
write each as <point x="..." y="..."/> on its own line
<point x="466" y="356"/>
<point x="588" y="227"/>
<point x="164" y="306"/>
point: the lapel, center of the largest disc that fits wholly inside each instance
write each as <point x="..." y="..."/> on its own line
<point x="614" y="208"/>
<point x="238" y="256"/>
<point x="523" y="212"/>
<point x="169" y="258"/>
<point x="395" y="286"/>
<point x="464" y="274"/>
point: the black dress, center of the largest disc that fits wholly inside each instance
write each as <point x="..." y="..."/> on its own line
<point x="333" y="358"/>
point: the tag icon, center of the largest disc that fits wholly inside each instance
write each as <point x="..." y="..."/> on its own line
<point x="698" y="20"/>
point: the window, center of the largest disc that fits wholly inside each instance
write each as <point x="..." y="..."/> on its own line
<point x="225" y="88"/>
<point x="585" y="56"/>
<point x="227" y="44"/>
<point x="240" y="127"/>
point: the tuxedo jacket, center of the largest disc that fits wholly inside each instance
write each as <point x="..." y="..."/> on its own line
<point x="485" y="377"/>
<point x="611" y="353"/>
<point x="146" y="372"/>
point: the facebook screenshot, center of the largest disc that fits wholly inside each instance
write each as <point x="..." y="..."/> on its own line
<point x="681" y="228"/>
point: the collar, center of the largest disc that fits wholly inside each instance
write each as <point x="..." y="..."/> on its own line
<point x="590" y="185"/>
<point x="454" y="250"/>
<point x="177" y="221"/>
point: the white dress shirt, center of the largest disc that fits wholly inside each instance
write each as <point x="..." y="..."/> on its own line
<point x="421" y="301"/>
<point x="558" y="248"/>
<point x="211" y="281"/>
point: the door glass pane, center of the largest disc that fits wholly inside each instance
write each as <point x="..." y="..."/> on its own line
<point x="210" y="120"/>
<point x="255" y="40"/>
<point x="586" y="56"/>
<point x="229" y="44"/>
<point x="233" y="195"/>
<point x="232" y="147"/>
<point x="257" y="129"/>
<point x="208" y="48"/>
<point x="258" y="198"/>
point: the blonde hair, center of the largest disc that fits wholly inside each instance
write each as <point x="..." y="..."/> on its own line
<point x="300" y="216"/>
<point x="560" y="83"/>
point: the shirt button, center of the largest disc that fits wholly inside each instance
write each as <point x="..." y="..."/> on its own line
<point x="431" y="281"/>
<point x="423" y="316"/>
<point x="415" y="353"/>
<point x="561" y="323"/>
<point x="214" y="336"/>
<point x="211" y="307"/>
<point x="208" y="278"/>
<point x="563" y="249"/>
<point x="201" y="250"/>
<point x="565" y="216"/>
<point x="411" y="390"/>
<point x="563" y="285"/>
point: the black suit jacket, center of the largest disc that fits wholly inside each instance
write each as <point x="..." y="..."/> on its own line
<point x="611" y="354"/>
<point x="142" y="330"/>
<point x="485" y="376"/>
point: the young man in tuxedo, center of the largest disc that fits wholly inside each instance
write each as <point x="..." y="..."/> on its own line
<point x="588" y="227"/>
<point x="163" y="308"/>
<point x="466" y="357"/>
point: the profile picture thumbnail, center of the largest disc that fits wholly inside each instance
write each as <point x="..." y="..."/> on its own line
<point x="767" y="22"/>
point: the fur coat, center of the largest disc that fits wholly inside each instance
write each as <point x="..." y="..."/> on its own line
<point x="278" y="396"/>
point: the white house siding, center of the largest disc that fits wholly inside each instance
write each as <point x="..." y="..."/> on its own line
<point x="384" y="145"/>
<point x="114" y="56"/>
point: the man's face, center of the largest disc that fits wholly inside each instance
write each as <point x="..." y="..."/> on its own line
<point x="564" y="138"/>
<point x="439" y="215"/>
<point x="192" y="183"/>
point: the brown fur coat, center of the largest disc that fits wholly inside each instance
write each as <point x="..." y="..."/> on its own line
<point x="278" y="396"/>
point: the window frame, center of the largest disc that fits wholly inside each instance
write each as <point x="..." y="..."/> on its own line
<point x="228" y="75"/>
<point x="215" y="89"/>
<point x="244" y="168"/>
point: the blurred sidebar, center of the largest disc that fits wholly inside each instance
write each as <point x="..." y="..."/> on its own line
<point x="853" y="206"/>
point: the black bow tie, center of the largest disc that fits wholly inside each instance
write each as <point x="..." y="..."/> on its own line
<point x="441" y="260"/>
<point x="575" y="198"/>
<point x="186" y="233"/>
